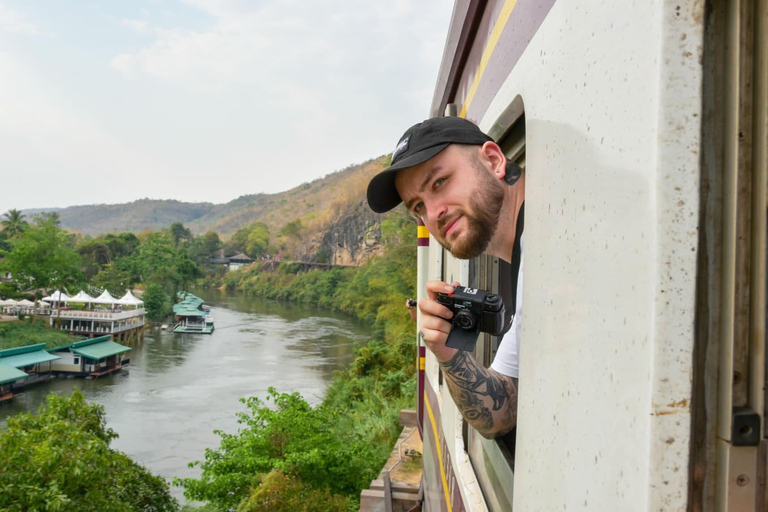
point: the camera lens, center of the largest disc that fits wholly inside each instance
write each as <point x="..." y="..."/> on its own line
<point x="464" y="319"/>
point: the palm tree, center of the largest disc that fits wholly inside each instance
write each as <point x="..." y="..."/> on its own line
<point x="14" y="223"/>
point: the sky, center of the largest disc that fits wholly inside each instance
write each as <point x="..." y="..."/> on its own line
<point x="204" y="100"/>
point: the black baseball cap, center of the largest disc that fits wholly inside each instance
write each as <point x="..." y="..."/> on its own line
<point x="418" y="144"/>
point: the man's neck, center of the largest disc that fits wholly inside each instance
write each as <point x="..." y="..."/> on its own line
<point x="504" y="238"/>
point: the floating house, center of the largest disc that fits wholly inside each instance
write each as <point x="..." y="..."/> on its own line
<point x="84" y="315"/>
<point x="24" y="365"/>
<point x="94" y="357"/>
<point x="190" y="317"/>
<point x="8" y="377"/>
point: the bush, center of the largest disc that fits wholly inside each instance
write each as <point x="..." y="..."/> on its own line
<point x="156" y="302"/>
<point x="60" y="459"/>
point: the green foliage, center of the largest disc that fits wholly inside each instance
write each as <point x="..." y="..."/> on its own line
<point x="181" y="236"/>
<point x="327" y="454"/>
<point x="278" y="492"/>
<point x="13" y="223"/>
<point x="30" y="332"/>
<point x="156" y="302"/>
<point x="101" y="251"/>
<point x="293" y="229"/>
<point x="60" y="459"/>
<point x="202" y="248"/>
<point x="252" y="240"/>
<point x="316" y="446"/>
<point x="258" y="240"/>
<point x="41" y="258"/>
<point x="113" y="279"/>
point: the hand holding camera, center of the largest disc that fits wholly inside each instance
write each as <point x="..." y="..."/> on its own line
<point x="474" y="311"/>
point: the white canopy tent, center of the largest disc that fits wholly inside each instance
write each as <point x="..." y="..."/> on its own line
<point x="105" y="298"/>
<point x="129" y="300"/>
<point x="57" y="296"/>
<point x="81" y="297"/>
<point x="25" y="303"/>
<point x="7" y="302"/>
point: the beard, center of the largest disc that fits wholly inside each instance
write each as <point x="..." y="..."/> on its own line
<point x="482" y="219"/>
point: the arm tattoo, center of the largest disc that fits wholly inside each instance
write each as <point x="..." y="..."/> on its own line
<point x="486" y="399"/>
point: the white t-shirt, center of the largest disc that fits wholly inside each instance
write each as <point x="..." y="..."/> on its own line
<point x="507" y="357"/>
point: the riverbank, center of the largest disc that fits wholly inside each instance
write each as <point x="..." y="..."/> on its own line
<point x="182" y="388"/>
<point x="345" y="440"/>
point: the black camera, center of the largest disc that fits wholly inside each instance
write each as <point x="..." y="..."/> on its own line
<point x="474" y="311"/>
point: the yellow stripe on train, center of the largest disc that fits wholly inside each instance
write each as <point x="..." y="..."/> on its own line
<point x="423" y="232"/>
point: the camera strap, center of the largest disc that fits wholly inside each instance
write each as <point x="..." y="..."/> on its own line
<point x="509" y="273"/>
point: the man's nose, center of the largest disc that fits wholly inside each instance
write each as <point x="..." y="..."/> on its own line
<point x="436" y="211"/>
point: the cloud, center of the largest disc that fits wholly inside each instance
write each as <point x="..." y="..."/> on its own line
<point x="14" y="23"/>
<point x="282" y="41"/>
<point x="139" y="26"/>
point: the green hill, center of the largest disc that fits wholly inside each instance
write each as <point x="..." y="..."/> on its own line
<point x="333" y="212"/>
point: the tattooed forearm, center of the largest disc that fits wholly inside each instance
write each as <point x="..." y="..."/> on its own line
<point x="486" y="399"/>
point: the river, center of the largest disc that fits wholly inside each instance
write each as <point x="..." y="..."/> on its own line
<point x="179" y="388"/>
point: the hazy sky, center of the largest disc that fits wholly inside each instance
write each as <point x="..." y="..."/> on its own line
<point x="204" y="100"/>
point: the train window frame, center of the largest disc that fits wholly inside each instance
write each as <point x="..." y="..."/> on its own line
<point x="491" y="459"/>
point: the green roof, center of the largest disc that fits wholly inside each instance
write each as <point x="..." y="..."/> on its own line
<point x="100" y="350"/>
<point x="10" y="374"/>
<point x="28" y="359"/>
<point x="186" y="305"/>
<point x="81" y="343"/>
<point x="189" y="312"/>
<point x="21" y="350"/>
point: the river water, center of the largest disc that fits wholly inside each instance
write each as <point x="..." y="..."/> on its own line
<point x="179" y="388"/>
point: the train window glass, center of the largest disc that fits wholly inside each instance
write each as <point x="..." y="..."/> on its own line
<point x="492" y="460"/>
<point x="77" y="360"/>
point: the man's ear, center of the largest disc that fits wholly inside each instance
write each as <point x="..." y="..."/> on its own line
<point x="496" y="159"/>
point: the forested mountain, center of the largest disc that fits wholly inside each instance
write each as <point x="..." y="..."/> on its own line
<point x="314" y="203"/>
<point x="326" y="220"/>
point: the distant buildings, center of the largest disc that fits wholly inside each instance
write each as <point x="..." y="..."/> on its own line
<point x="231" y="262"/>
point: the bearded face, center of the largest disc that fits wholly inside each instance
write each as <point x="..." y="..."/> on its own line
<point x="482" y="216"/>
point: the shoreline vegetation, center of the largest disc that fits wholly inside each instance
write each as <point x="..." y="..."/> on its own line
<point x="329" y="453"/>
<point x="287" y="455"/>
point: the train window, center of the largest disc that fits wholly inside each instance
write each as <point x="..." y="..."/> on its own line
<point x="493" y="460"/>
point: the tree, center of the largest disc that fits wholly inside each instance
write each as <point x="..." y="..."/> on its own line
<point x="202" y="248"/>
<point x="188" y="271"/>
<point x="14" y="223"/>
<point x="60" y="459"/>
<point x="155" y="259"/>
<point x="44" y="217"/>
<point x="258" y="240"/>
<point x="180" y="234"/>
<point x="315" y="446"/>
<point x="293" y="229"/>
<point x="155" y="301"/>
<point x="40" y="258"/>
<point x="113" y="279"/>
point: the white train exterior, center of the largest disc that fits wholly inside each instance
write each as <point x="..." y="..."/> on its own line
<point x="642" y="127"/>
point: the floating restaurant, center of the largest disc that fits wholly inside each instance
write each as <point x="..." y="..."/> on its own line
<point x="94" y="357"/>
<point x="190" y="317"/>
<point x="122" y="318"/>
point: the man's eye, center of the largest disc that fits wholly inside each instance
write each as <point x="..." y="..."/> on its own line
<point x="439" y="182"/>
<point x="418" y="207"/>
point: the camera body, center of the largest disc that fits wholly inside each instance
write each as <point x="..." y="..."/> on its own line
<point x="474" y="311"/>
